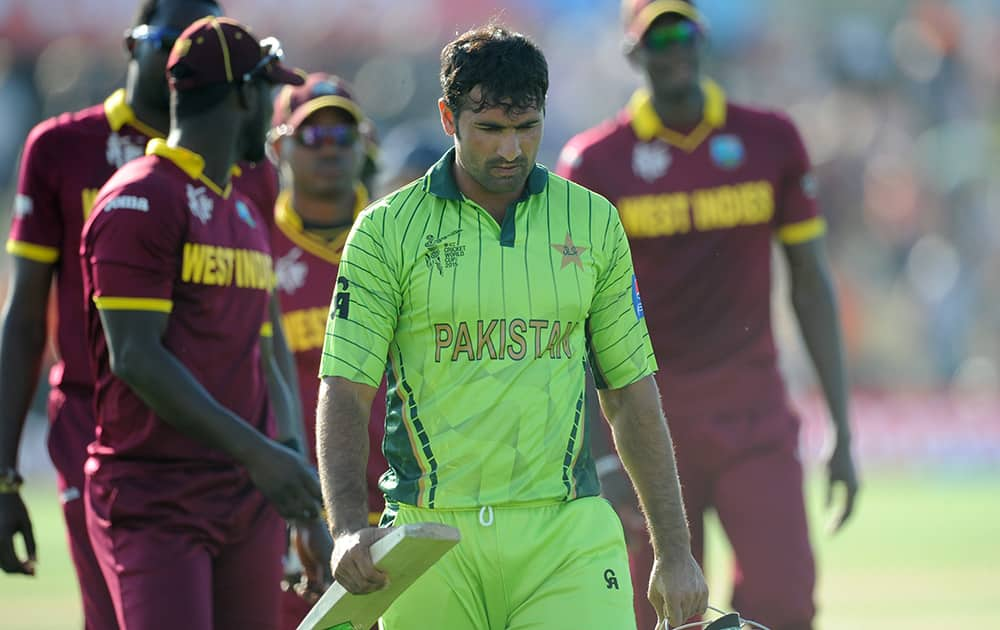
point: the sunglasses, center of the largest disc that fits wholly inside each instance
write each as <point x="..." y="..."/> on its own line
<point x="271" y="52"/>
<point x="161" y="38"/>
<point x="315" y="136"/>
<point x="659" y="38"/>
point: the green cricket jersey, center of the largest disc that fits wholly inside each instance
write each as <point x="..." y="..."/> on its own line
<point x="486" y="328"/>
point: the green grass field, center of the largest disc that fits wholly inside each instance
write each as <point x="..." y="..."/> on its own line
<point x="922" y="553"/>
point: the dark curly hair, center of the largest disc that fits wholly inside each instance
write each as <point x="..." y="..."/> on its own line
<point x="509" y="69"/>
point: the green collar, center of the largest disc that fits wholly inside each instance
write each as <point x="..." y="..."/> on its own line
<point x="441" y="179"/>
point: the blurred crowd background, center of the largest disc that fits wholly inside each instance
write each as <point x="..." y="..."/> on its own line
<point x="898" y="101"/>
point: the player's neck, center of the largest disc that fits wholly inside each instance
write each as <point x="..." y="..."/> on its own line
<point x="215" y="143"/>
<point x="157" y="119"/>
<point x="494" y="203"/>
<point x="324" y="211"/>
<point x="681" y="109"/>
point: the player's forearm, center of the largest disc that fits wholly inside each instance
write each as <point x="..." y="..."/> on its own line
<point x="175" y="395"/>
<point x="284" y="360"/>
<point x="284" y="400"/>
<point x="815" y="303"/>
<point x="342" y="449"/>
<point x="22" y="344"/>
<point x="646" y="450"/>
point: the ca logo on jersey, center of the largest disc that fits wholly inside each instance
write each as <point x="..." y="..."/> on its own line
<point x="291" y="271"/>
<point x="650" y="160"/>
<point x="121" y="150"/>
<point x="200" y="203"/>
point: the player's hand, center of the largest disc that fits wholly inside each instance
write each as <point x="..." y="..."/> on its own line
<point x="677" y="589"/>
<point x="352" y="561"/>
<point x="14" y="520"/>
<point x="286" y="480"/>
<point x="841" y="472"/>
<point x="314" y="547"/>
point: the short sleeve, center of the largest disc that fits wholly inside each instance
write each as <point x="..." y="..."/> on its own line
<point x="797" y="217"/>
<point x="366" y="302"/>
<point x="36" y="225"/>
<point x="132" y="249"/>
<point x="617" y="339"/>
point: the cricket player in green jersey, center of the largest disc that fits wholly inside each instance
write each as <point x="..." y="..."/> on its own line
<point x="486" y="285"/>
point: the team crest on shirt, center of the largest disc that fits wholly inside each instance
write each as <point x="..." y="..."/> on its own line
<point x="200" y="203"/>
<point x="291" y="271"/>
<point x="727" y="151"/>
<point x="442" y="255"/>
<point x="650" y="160"/>
<point x="122" y="149"/>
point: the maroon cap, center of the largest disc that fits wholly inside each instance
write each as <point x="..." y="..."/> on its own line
<point x="217" y="50"/>
<point x="296" y="103"/>
<point x="638" y="15"/>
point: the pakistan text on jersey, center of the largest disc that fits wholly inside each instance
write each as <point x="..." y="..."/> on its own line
<point x="719" y="208"/>
<point x="226" y="266"/>
<point x="503" y="339"/>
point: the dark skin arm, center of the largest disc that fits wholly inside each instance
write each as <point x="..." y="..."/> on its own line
<point x="139" y="358"/>
<point x="310" y="538"/>
<point x="342" y="447"/>
<point x="814" y="301"/>
<point x="677" y="587"/>
<point x="279" y="368"/>
<point x="22" y="346"/>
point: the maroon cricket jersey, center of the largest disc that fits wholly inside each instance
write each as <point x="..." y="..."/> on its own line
<point x="163" y="237"/>
<point x="65" y="162"/>
<point x="306" y="269"/>
<point x="701" y="208"/>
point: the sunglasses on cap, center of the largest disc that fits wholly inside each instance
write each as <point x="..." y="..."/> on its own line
<point x="725" y="621"/>
<point x="271" y="52"/>
<point x="315" y="136"/>
<point x="161" y="38"/>
<point x="659" y="38"/>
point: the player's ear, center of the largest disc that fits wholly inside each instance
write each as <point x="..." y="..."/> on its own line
<point x="448" y="120"/>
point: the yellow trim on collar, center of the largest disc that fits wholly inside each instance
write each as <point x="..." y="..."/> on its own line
<point x="802" y="232"/>
<point x="191" y="163"/>
<point x="119" y="114"/>
<point x="290" y="224"/>
<point x="647" y="125"/>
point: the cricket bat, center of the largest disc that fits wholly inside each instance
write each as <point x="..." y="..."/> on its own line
<point x="405" y="554"/>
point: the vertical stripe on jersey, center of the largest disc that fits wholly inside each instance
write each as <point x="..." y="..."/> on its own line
<point x="585" y="479"/>
<point x="571" y="448"/>
<point x="403" y="413"/>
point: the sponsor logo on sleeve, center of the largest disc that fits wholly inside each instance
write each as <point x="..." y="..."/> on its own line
<point x="23" y="205"/>
<point x="727" y="151"/>
<point x="200" y="203"/>
<point x="640" y="312"/>
<point x="127" y="202"/>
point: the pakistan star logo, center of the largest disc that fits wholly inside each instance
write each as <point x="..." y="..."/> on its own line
<point x="452" y="252"/>
<point x="570" y="252"/>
